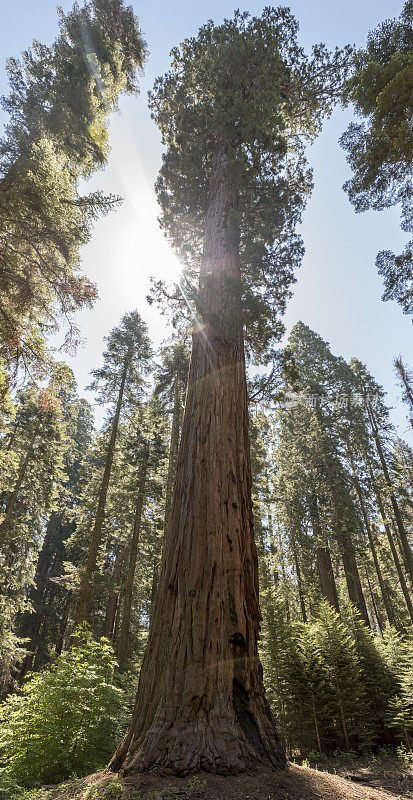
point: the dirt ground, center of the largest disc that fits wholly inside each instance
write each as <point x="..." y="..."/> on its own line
<point x="294" y="783"/>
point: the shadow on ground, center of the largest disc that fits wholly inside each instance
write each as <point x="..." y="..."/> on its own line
<point x="294" y="783"/>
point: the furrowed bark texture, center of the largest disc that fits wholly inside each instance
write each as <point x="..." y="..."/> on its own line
<point x="200" y="702"/>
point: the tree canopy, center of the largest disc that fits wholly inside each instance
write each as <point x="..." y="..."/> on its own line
<point x="247" y="87"/>
<point x="59" y="103"/>
<point x="380" y="148"/>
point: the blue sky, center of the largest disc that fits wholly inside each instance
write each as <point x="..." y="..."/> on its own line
<point x="338" y="290"/>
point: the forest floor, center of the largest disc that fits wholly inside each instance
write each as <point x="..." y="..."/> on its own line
<point x="384" y="782"/>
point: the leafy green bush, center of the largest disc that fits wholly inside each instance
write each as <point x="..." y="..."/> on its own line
<point x="66" y="720"/>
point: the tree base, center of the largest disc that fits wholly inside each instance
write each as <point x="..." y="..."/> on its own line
<point x="224" y="743"/>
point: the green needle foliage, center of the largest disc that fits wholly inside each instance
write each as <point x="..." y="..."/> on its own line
<point x="59" y="103"/>
<point x="66" y="719"/>
<point x="244" y="89"/>
<point x="380" y="148"/>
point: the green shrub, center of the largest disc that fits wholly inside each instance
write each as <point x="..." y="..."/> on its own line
<point x="66" y="719"/>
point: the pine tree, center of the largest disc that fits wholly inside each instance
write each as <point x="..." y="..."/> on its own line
<point x="58" y="106"/>
<point x="380" y="148"/>
<point x="145" y="454"/>
<point x="171" y="380"/>
<point x="405" y="379"/>
<point x="49" y="597"/>
<point x="125" y="362"/>
<point x="31" y="486"/>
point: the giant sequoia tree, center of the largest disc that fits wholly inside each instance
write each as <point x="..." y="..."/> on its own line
<point x="234" y="110"/>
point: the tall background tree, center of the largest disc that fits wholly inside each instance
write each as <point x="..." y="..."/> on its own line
<point x="60" y="99"/>
<point x="119" y="380"/>
<point x="380" y="148"/>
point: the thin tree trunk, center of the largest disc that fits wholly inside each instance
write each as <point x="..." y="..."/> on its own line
<point x="200" y="702"/>
<point x="323" y="557"/>
<point x="317" y="732"/>
<point x="383" y="587"/>
<point x="154" y="587"/>
<point x="402" y="581"/>
<point x="408" y="555"/>
<point x="114" y="593"/>
<point x="299" y="580"/>
<point x="118" y="617"/>
<point x="133" y="555"/>
<point x="63" y="626"/>
<point x="379" y="617"/>
<point x="404" y="377"/>
<point x="85" y="598"/>
<point x="11" y="503"/>
<point x="343" y="534"/>
<point x="39" y="596"/>
<point x="284" y="575"/>
<point x="343" y="723"/>
<point x="273" y="545"/>
<point x="173" y="450"/>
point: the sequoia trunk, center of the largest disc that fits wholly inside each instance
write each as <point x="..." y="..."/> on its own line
<point x="200" y="702"/>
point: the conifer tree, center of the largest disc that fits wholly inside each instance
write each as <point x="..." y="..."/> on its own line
<point x="231" y="111"/>
<point x="49" y="597"/>
<point x="31" y="486"/>
<point x="170" y="386"/>
<point x="380" y="148"/>
<point x="145" y="454"/>
<point x="119" y="380"/>
<point x="59" y="103"/>
<point x="405" y="379"/>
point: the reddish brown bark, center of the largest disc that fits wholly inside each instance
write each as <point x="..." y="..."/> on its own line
<point x="323" y="556"/>
<point x="200" y="701"/>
